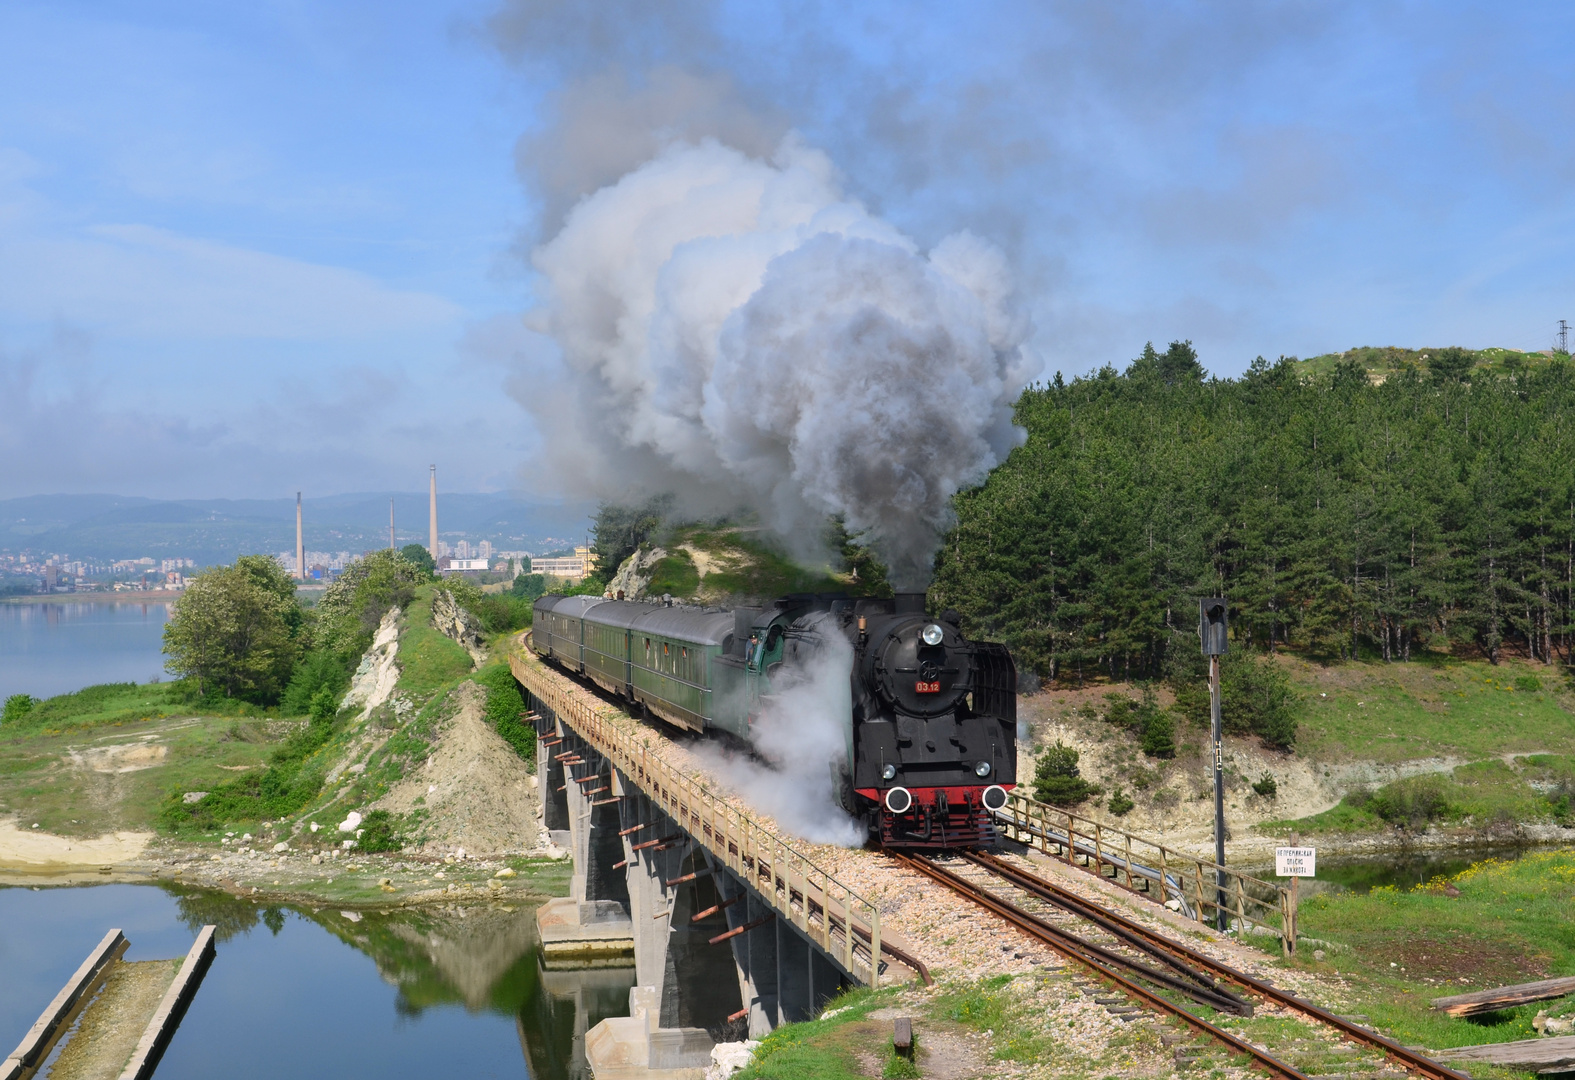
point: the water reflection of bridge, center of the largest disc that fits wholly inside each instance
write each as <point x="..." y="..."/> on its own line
<point x="486" y="959"/>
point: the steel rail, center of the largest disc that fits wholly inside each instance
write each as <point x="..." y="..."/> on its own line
<point x="1097" y="916"/>
<point x="1083" y="954"/>
<point x="1055" y="894"/>
<point x="1062" y="940"/>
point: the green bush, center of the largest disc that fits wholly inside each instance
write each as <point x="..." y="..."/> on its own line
<point x="1529" y="684"/>
<point x="1120" y="803"/>
<point x="1159" y="735"/>
<point x="1256" y="697"/>
<point x="1267" y="787"/>
<point x="503" y="709"/>
<point x="16" y="707"/>
<point x="379" y="832"/>
<point x="1057" y="780"/>
<point x="1413" y="801"/>
<point x="318" y="670"/>
<point x="419" y="557"/>
<point x="529" y="586"/>
<point x="1144" y="718"/>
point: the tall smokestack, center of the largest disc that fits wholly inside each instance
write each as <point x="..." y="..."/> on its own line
<point x="300" y="543"/>
<point x="432" y="528"/>
<point x="390" y="524"/>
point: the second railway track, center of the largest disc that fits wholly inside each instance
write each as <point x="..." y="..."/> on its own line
<point x="1156" y="970"/>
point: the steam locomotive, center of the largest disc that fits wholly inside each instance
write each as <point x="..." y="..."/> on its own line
<point x="929" y="720"/>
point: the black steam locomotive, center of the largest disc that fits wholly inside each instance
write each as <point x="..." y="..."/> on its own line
<point x="930" y="719"/>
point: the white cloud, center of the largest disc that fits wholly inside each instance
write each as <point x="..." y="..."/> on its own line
<point x="141" y="281"/>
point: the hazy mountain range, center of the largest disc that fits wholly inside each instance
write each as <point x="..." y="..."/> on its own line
<point x="105" y="527"/>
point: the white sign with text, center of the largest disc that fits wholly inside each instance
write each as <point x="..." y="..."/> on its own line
<point x="1296" y="862"/>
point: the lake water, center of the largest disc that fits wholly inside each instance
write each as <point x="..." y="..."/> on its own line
<point x="314" y="993"/>
<point x="49" y="649"/>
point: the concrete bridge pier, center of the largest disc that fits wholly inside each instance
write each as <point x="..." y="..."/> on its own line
<point x="783" y="977"/>
<point x="591" y="925"/>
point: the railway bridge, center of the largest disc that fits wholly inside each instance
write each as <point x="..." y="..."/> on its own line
<point x="732" y="929"/>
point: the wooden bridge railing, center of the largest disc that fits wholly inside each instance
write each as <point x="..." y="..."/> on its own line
<point x="1186" y="881"/>
<point x="833" y="916"/>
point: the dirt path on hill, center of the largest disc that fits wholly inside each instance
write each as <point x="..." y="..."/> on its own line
<point x="476" y="791"/>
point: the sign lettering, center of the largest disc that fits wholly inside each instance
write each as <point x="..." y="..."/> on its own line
<point x="1295" y="862"/>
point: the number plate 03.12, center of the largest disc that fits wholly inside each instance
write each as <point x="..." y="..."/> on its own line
<point x="923" y="687"/>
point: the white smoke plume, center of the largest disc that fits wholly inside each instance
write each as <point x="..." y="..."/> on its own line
<point x="737" y="330"/>
<point x="800" y="735"/>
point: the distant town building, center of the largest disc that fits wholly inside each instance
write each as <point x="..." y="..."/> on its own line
<point x="570" y="567"/>
<point x="466" y="564"/>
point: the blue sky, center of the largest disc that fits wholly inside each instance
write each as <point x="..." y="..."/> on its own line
<point x="246" y="249"/>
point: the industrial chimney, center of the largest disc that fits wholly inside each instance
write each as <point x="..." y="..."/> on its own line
<point x="300" y="543"/>
<point x="432" y="528"/>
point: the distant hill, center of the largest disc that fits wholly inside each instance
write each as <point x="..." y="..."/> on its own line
<point x="217" y="530"/>
<point x="1382" y="362"/>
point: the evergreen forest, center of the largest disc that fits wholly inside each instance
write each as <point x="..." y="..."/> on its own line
<point x="1422" y="502"/>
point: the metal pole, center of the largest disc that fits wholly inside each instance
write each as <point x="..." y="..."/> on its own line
<point x="1219" y="791"/>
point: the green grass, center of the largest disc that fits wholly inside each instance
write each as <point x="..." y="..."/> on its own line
<point x="1382" y="362"/>
<point x="1509" y="924"/>
<point x="987" y="1005"/>
<point x="428" y="661"/>
<point x="51" y="778"/>
<point x="121" y="703"/>
<point x="1433" y="707"/>
<point x="676" y="575"/>
<point x="819" y="1049"/>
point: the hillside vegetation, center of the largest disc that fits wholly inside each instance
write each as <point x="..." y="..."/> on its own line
<point x="1344" y="515"/>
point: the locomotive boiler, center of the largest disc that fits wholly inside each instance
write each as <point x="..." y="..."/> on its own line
<point x="929" y="718"/>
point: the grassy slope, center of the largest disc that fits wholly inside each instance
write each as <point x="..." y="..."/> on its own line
<point x="1512" y="725"/>
<point x="1509" y="924"/>
<point x="41" y="781"/>
<point x="1433" y="708"/>
<point x="739" y="565"/>
<point x="428" y="661"/>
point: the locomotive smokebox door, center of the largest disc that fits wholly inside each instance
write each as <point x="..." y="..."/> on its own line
<point x="1211" y="625"/>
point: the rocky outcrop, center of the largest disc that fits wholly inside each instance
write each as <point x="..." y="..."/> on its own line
<point x="634" y="573"/>
<point x="377" y="675"/>
<point x="457" y="624"/>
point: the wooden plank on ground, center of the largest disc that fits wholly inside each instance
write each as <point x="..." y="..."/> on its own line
<point x="1505" y="997"/>
<point x="1529" y="1054"/>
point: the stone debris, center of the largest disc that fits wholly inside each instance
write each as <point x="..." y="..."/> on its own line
<point x="729" y="1058"/>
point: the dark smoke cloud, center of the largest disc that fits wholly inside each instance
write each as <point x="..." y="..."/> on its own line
<point x="737" y="331"/>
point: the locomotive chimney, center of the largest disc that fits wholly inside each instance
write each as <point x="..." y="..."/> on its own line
<point x="910" y="603"/>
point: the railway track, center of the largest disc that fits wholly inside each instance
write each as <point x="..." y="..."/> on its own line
<point x="1166" y="975"/>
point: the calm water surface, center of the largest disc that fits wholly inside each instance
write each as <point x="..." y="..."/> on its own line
<point x="49" y="649"/>
<point x="298" y="992"/>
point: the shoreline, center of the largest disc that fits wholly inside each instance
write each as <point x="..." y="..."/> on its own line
<point x="146" y="596"/>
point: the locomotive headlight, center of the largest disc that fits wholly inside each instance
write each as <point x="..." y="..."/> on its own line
<point x="932" y="634"/>
<point x="982" y="769"/>
<point x="888" y="772"/>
